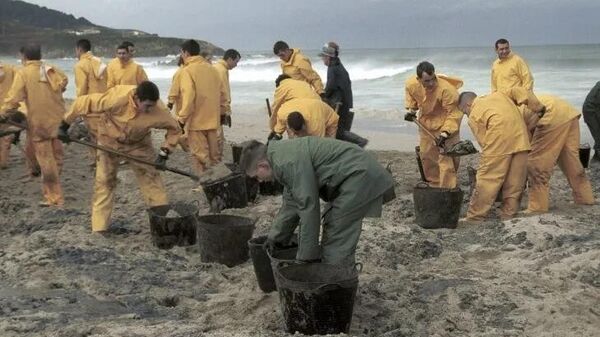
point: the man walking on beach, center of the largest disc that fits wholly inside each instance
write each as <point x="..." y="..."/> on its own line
<point x="203" y="101"/>
<point x="436" y="99"/>
<point x="509" y="70"/>
<point x="591" y="116"/>
<point x="297" y="66"/>
<point x="223" y="66"/>
<point x="122" y="70"/>
<point x="128" y="113"/>
<point x="353" y="183"/>
<point x="41" y="87"/>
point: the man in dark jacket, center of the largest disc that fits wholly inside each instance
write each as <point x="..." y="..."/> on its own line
<point x="591" y="116"/>
<point x="338" y="91"/>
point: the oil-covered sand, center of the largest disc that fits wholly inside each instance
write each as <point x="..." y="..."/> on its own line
<point x="531" y="276"/>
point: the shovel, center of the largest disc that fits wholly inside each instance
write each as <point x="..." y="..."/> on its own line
<point x="461" y="148"/>
<point x="121" y="154"/>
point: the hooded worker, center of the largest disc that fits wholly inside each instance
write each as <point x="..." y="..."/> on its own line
<point x="122" y="70"/>
<point x="321" y="120"/>
<point x="500" y="130"/>
<point x="591" y="116"/>
<point x="555" y="140"/>
<point x="353" y="183"/>
<point x="509" y="70"/>
<point x="202" y="104"/>
<point x="41" y="87"/>
<point x="127" y="115"/>
<point x="230" y="59"/>
<point x="435" y="97"/>
<point x="297" y="66"/>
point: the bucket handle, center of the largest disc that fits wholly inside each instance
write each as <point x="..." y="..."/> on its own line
<point x="328" y="287"/>
<point x="422" y="184"/>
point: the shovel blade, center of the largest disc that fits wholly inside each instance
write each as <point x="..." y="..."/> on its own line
<point x="462" y="148"/>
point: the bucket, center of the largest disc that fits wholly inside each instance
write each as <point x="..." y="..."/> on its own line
<point x="252" y="186"/>
<point x="270" y="188"/>
<point x="222" y="238"/>
<point x="263" y="262"/>
<point x="317" y="298"/>
<point x="179" y="230"/>
<point x="437" y="207"/>
<point x="227" y="192"/>
<point x="236" y="153"/>
<point x="584" y="154"/>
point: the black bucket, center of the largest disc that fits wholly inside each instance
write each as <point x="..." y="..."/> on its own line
<point x="227" y="192"/>
<point x="263" y="262"/>
<point x="236" y="153"/>
<point x="252" y="185"/>
<point x="222" y="238"/>
<point x="270" y="188"/>
<point x="437" y="207"/>
<point x="317" y="298"/>
<point x="584" y="154"/>
<point x="167" y="232"/>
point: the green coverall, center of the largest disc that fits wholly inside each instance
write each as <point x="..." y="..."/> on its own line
<point x="344" y="175"/>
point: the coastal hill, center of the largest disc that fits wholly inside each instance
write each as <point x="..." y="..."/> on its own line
<point x="57" y="32"/>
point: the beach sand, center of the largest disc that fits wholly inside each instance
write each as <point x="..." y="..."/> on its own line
<point x="531" y="276"/>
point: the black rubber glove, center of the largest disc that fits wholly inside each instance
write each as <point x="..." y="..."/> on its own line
<point x="161" y="160"/>
<point x="410" y="116"/>
<point x="226" y="120"/>
<point x="63" y="133"/>
<point x="274" y="136"/>
<point x="170" y="106"/>
<point x="440" y="141"/>
<point x="16" y="138"/>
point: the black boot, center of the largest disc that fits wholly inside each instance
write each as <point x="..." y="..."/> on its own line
<point x="354" y="138"/>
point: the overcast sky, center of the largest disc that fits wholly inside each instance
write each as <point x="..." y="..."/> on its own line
<point x="256" y="24"/>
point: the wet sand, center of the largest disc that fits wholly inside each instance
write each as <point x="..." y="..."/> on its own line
<point x="531" y="276"/>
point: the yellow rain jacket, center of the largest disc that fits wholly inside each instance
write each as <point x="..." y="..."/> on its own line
<point x="174" y="95"/>
<point x="120" y="126"/>
<point x="221" y="67"/>
<point x="287" y="90"/>
<point x="300" y="68"/>
<point x="130" y="73"/>
<point x="321" y="120"/>
<point x="41" y="87"/>
<point x="202" y="95"/>
<point x="511" y="72"/>
<point x="90" y="75"/>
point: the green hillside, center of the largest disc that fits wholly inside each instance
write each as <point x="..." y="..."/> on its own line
<point x="57" y="32"/>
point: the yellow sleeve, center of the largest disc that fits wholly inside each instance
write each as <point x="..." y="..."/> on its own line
<point x="81" y="81"/>
<point x="311" y="75"/>
<point x="16" y="94"/>
<point x="526" y="76"/>
<point x="141" y="75"/>
<point x="331" y="125"/>
<point x="523" y="96"/>
<point x="453" y="115"/>
<point x="174" y="91"/>
<point x="280" y="124"/>
<point x="224" y="102"/>
<point x="478" y="131"/>
<point x="88" y="104"/>
<point x="188" y="96"/>
<point x="409" y="102"/>
<point x="278" y="98"/>
<point x="110" y="77"/>
<point x="493" y="81"/>
<point x="167" y="122"/>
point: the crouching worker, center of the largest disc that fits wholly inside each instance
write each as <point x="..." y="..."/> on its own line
<point x="127" y="115"/>
<point x="353" y="183"/>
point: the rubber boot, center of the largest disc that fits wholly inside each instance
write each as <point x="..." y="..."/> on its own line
<point x="354" y="138"/>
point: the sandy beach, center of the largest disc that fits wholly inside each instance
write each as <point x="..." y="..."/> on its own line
<point x="531" y="276"/>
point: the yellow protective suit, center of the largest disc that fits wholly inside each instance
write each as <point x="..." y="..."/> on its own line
<point x="121" y="127"/>
<point x="287" y="90"/>
<point x="321" y="120"/>
<point x="556" y="140"/>
<point x="300" y="68"/>
<point x="129" y="73"/>
<point x="221" y="67"/>
<point x="40" y="86"/>
<point x="174" y="97"/>
<point x="7" y="74"/>
<point x="202" y="103"/>
<point x="438" y="113"/>
<point x="511" y="72"/>
<point x="500" y="130"/>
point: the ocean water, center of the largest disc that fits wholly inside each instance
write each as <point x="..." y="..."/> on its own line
<point x="378" y="76"/>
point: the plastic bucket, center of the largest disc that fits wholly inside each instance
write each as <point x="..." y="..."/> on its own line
<point x="437" y="207"/>
<point x="252" y="185"/>
<point x="222" y="238"/>
<point x="167" y="232"/>
<point x="227" y="192"/>
<point x="584" y="154"/>
<point x="264" y="262"/>
<point x="317" y="298"/>
<point x="270" y="188"/>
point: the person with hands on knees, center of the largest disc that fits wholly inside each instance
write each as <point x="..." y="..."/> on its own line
<point x="353" y="183"/>
<point x="128" y="113"/>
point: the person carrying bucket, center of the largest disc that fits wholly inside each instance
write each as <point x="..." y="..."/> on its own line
<point x="436" y="98"/>
<point x="353" y="183"/>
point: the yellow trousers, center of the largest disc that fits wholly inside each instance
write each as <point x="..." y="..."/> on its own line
<point x="92" y="125"/>
<point x="439" y="170"/>
<point x="506" y="172"/>
<point x="32" y="164"/>
<point x="148" y="178"/>
<point x="204" y="148"/>
<point x="547" y="148"/>
<point x="49" y="155"/>
<point x="5" y="150"/>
